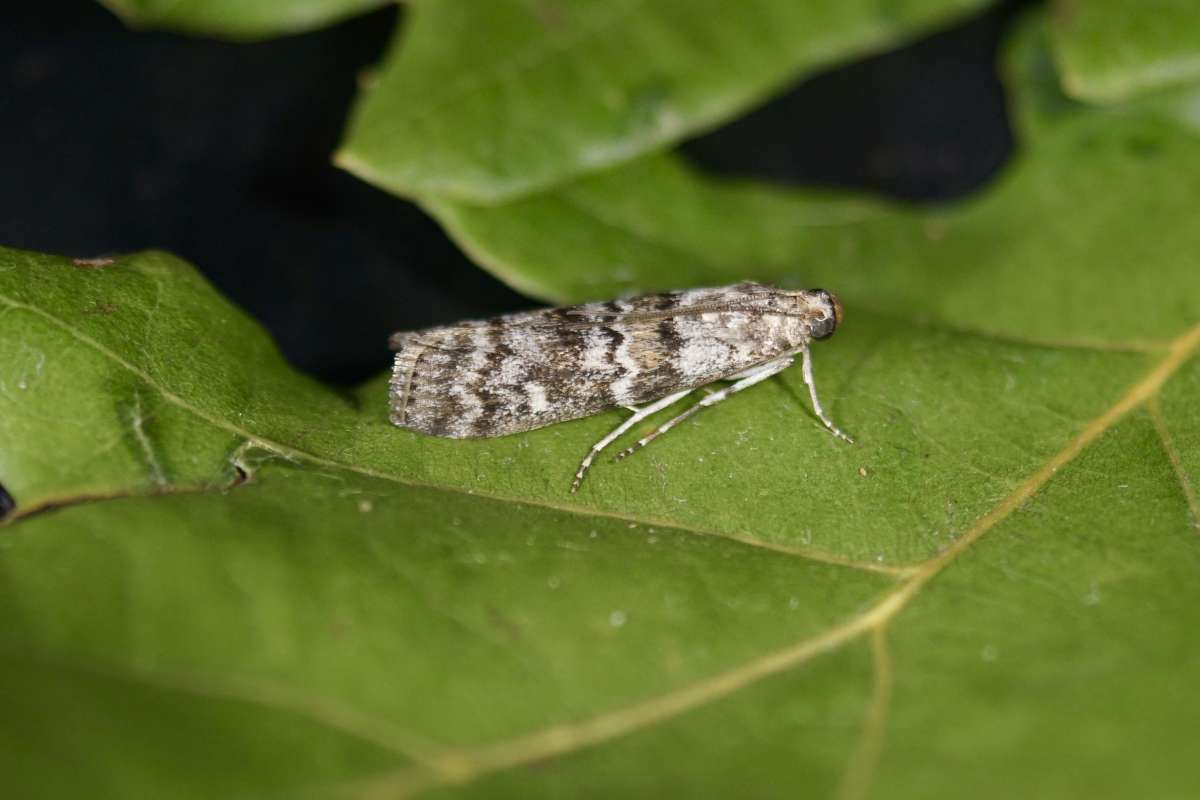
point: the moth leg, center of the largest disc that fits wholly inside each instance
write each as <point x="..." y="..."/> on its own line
<point x="750" y="378"/>
<point x="638" y="416"/>
<point x="812" y="392"/>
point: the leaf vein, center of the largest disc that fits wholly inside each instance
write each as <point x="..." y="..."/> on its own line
<point x="861" y="769"/>
<point x="1172" y="453"/>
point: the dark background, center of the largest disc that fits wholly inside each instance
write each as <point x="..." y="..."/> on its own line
<point x="114" y="141"/>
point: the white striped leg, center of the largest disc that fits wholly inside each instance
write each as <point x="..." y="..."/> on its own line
<point x="761" y="374"/>
<point x="812" y="392"/>
<point x="638" y="416"/>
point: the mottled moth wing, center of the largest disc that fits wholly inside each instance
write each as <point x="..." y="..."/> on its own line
<point x="523" y="371"/>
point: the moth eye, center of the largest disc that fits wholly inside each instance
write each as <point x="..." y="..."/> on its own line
<point x="829" y="321"/>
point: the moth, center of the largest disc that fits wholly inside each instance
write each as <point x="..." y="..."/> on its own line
<point x="522" y="371"/>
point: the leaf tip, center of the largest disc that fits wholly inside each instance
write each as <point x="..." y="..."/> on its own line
<point x="343" y="159"/>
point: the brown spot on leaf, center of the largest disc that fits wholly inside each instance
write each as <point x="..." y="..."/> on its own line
<point x="550" y="14"/>
<point x="935" y="230"/>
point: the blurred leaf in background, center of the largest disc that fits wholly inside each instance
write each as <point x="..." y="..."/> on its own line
<point x="221" y="577"/>
<point x="483" y="102"/>
<point x="1111" y="51"/>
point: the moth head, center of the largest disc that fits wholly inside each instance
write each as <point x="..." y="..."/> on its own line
<point x="829" y="310"/>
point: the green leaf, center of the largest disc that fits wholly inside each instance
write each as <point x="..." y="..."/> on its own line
<point x="485" y="101"/>
<point x="1113" y="50"/>
<point x="237" y="19"/>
